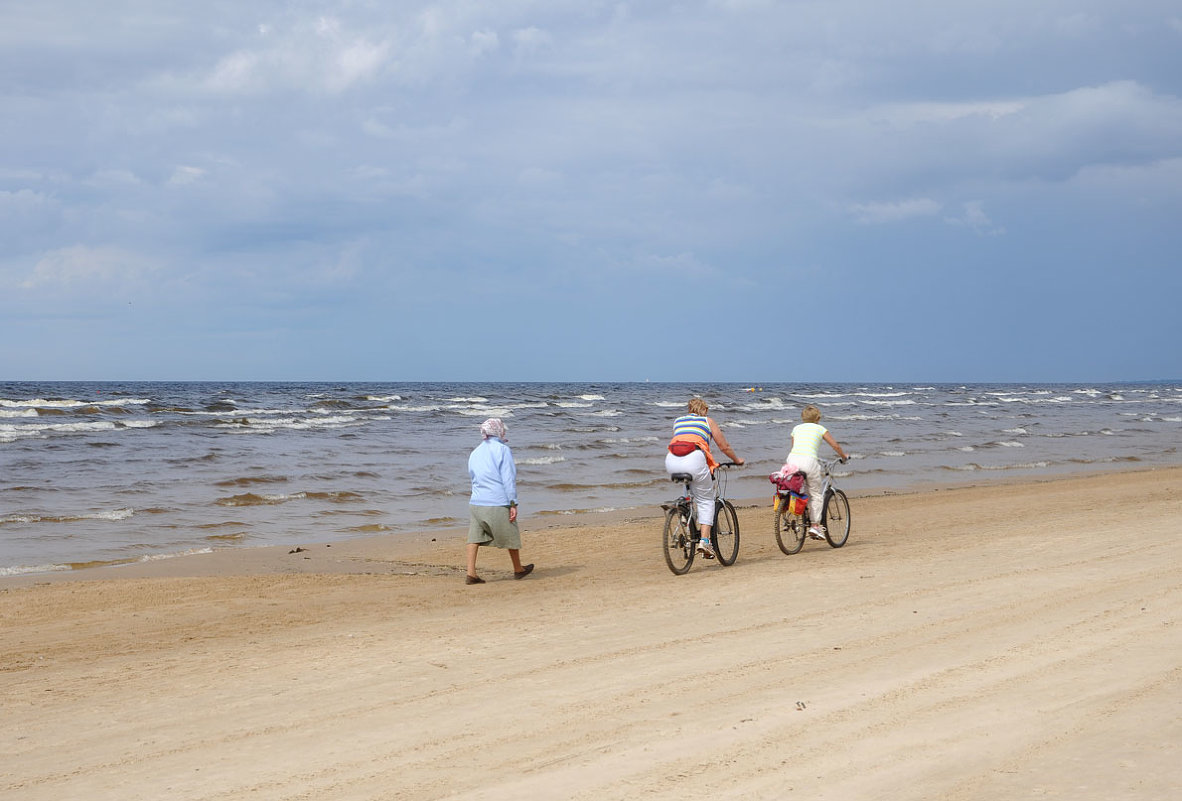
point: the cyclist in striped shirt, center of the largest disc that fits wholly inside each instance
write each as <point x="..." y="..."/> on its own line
<point x="689" y="452"/>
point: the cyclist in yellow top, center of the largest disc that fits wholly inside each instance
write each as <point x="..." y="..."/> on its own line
<point x="689" y="452"/>
<point x="803" y="457"/>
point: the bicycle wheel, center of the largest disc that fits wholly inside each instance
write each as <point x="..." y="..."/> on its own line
<point x="837" y="518"/>
<point x="724" y="536"/>
<point x="790" y="530"/>
<point x="677" y="542"/>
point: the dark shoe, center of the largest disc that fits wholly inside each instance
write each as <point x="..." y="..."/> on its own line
<point x="473" y="580"/>
<point x="525" y="571"/>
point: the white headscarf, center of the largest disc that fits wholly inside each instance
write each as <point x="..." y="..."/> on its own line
<point x="493" y="427"/>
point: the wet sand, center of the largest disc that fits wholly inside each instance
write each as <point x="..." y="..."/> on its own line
<point x="991" y="642"/>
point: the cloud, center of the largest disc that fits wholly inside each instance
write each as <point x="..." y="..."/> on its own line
<point x="320" y="55"/>
<point x="973" y="217"/>
<point x="184" y="174"/>
<point x="897" y="211"/>
<point x="80" y="267"/>
<point x="531" y="40"/>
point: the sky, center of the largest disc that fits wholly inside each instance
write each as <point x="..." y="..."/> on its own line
<point x="710" y="190"/>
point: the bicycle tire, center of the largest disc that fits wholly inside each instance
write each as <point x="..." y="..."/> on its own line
<point x="724" y="535"/>
<point x="837" y="518"/>
<point x="790" y="530"/>
<point x="677" y="541"/>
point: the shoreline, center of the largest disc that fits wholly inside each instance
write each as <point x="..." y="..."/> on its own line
<point x="221" y="560"/>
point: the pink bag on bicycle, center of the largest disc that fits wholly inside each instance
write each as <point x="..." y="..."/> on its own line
<point x="788" y="482"/>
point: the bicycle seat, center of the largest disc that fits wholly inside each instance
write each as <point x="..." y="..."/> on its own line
<point x="683" y="478"/>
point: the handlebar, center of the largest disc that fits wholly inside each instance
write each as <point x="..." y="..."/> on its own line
<point x="731" y="464"/>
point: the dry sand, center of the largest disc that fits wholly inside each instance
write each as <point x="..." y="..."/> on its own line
<point x="979" y="643"/>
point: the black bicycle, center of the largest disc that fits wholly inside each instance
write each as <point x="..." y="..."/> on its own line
<point x="792" y="515"/>
<point x="682" y="537"/>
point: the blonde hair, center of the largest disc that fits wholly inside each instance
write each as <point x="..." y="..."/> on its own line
<point x="810" y="414"/>
<point x="698" y="406"/>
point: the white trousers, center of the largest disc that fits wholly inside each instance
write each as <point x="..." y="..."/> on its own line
<point x="702" y="487"/>
<point x="815" y="481"/>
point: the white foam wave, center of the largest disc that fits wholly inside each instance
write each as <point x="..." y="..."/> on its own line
<point x="257" y="425"/>
<point x="45" y="403"/>
<point x="1016" y="431"/>
<point x="1010" y="444"/>
<point x="591" y="397"/>
<point x="573" y="405"/>
<point x="11" y="433"/>
<point x="22" y="570"/>
<point x="114" y="515"/>
<point x="22" y="413"/>
<point x="383" y="398"/>
<point x="543" y="460"/>
<point x="157" y="557"/>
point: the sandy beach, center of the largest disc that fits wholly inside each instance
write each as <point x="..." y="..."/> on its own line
<point x="991" y="642"/>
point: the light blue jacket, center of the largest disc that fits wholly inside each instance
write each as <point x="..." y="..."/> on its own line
<point x="493" y="473"/>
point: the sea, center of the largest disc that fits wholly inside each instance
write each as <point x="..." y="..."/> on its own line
<point x="109" y="473"/>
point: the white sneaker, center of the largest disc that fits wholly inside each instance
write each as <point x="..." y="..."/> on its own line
<point x="817" y="532"/>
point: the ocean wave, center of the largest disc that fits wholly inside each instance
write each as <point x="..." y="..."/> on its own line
<point x="370" y="528"/>
<point x="158" y="557"/>
<point x="24" y="570"/>
<point x="488" y="411"/>
<point x="973" y="467"/>
<point x="12" y="433"/>
<point x="45" y="403"/>
<point x="247" y="481"/>
<point x="114" y="515"/>
<point x="565" y="512"/>
<point x="543" y="460"/>
<point x="237" y="536"/>
<point x="249" y="424"/>
<point x="253" y="499"/>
